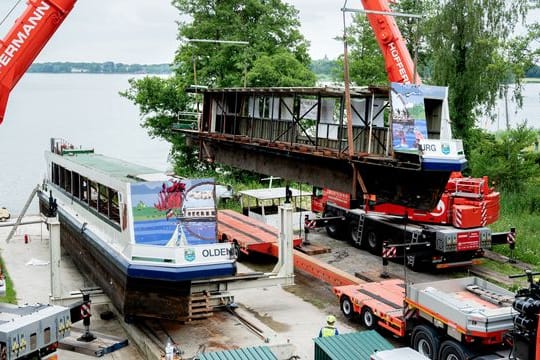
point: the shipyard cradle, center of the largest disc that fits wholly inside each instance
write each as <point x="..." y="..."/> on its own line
<point x="141" y="235"/>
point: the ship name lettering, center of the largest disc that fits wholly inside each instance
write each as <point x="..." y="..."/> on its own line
<point x="215" y="252"/>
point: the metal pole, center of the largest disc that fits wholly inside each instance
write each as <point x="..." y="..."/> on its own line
<point x="54" y="246"/>
<point x="285" y="267"/>
<point x="347" y="88"/>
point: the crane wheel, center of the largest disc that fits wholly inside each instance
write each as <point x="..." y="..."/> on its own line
<point x="369" y="320"/>
<point x="426" y="341"/>
<point x="372" y="243"/>
<point x="353" y="233"/>
<point x="333" y="230"/>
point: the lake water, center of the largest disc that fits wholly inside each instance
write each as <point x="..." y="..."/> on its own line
<point x="85" y="109"/>
<point x="530" y="111"/>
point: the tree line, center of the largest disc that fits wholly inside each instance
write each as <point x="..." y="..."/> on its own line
<point x="108" y="67"/>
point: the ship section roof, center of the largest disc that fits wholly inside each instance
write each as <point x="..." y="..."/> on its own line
<point x="122" y="170"/>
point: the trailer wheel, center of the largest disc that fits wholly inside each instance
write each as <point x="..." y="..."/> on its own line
<point x="346" y="307"/>
<point x="452" y="350"/>
<point x="426" y="341"/>
<point x="236" y="251"/>
<point x="369" y="320"/>
<point x="333" y="230"/>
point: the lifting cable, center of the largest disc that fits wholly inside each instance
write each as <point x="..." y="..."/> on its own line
<point x="9" y="12"/>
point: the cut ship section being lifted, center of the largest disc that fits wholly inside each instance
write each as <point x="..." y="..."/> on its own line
<point x="402" y="150"/>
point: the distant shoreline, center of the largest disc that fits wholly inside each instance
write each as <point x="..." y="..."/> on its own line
<point x="108" y="67"/>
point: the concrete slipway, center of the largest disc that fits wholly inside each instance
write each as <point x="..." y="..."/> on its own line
<point x="287" y="323"/>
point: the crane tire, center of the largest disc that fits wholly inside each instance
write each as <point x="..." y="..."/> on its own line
<point x="334" y="230"/>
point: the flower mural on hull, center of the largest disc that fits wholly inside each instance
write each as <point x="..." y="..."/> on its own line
<point x="171" y="198"/>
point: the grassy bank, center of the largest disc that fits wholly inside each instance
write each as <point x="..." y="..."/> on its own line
<point x="522" y="211"/>
<point x="10" y="296"/>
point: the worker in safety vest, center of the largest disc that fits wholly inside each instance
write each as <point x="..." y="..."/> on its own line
<point x="329" y="329"/>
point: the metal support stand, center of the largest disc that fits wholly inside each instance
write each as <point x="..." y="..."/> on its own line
<point x="285" y="266"/>
<point x="386" y="249"/>
<point x="307" y="225"/>
<point x="85" y="314"/>
<point x="54" y="245"/>
<point x="511" y="238"/>
<point x="384" y="274"/>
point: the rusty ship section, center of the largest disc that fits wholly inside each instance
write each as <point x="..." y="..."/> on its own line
<point x="402" y="150"/>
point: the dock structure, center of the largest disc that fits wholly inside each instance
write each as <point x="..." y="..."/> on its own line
<point x="301" y="134"/>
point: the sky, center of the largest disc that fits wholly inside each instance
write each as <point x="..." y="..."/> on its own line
<point x="144" y="31"/>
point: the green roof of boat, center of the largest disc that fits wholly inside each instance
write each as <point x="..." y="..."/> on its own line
<point x="120" y="169"/>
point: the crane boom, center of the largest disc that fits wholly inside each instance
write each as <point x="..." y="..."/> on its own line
<point x="399" y="64"/>
<point x="25" y="40"/>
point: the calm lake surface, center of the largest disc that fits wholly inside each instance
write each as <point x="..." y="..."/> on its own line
<point x="85" y="109"/>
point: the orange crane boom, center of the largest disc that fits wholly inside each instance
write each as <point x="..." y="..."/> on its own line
<point x="25" y="40"/>
<point x="399" y="64"/>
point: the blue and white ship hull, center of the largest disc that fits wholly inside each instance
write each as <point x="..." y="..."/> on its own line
<point x="119" y="234"/>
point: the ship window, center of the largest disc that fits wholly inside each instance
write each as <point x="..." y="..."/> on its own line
<point x="60" y="176"/>
<point x="47" y="336"/>
<point x="55" y="177"/>
<point x="103" y="200"/>
<point x="67" y="181"/>
<point x="84" y="189"/>
<point x="76" y="185"/>
<point x="33" y="341"/>
<point x="114" y="210"/>
<point x="93" y="200"/>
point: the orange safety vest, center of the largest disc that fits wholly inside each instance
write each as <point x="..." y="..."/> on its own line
<point x="328" y="331"/>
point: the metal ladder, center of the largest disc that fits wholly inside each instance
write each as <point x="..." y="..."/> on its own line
<point x="21" y="215"/>
<point x="360" y="229"/>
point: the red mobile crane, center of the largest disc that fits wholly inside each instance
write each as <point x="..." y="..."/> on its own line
<point x="31" y="31"/>
<point x="455" y="232"/>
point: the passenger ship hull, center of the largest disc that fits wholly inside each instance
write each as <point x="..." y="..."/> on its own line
<point x="138" y="282"/>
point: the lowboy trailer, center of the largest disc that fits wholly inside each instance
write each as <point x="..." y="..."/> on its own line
<point x="454" y="319"/>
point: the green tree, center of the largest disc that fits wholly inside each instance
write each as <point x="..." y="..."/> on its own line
<point x="281" y="68"/>
<point x="467" y="38"/>
<point x="269" y="26"/>
<point x="366" y="63"/>
<point x="324" y="68"/>
<point x="505" y="158"/>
